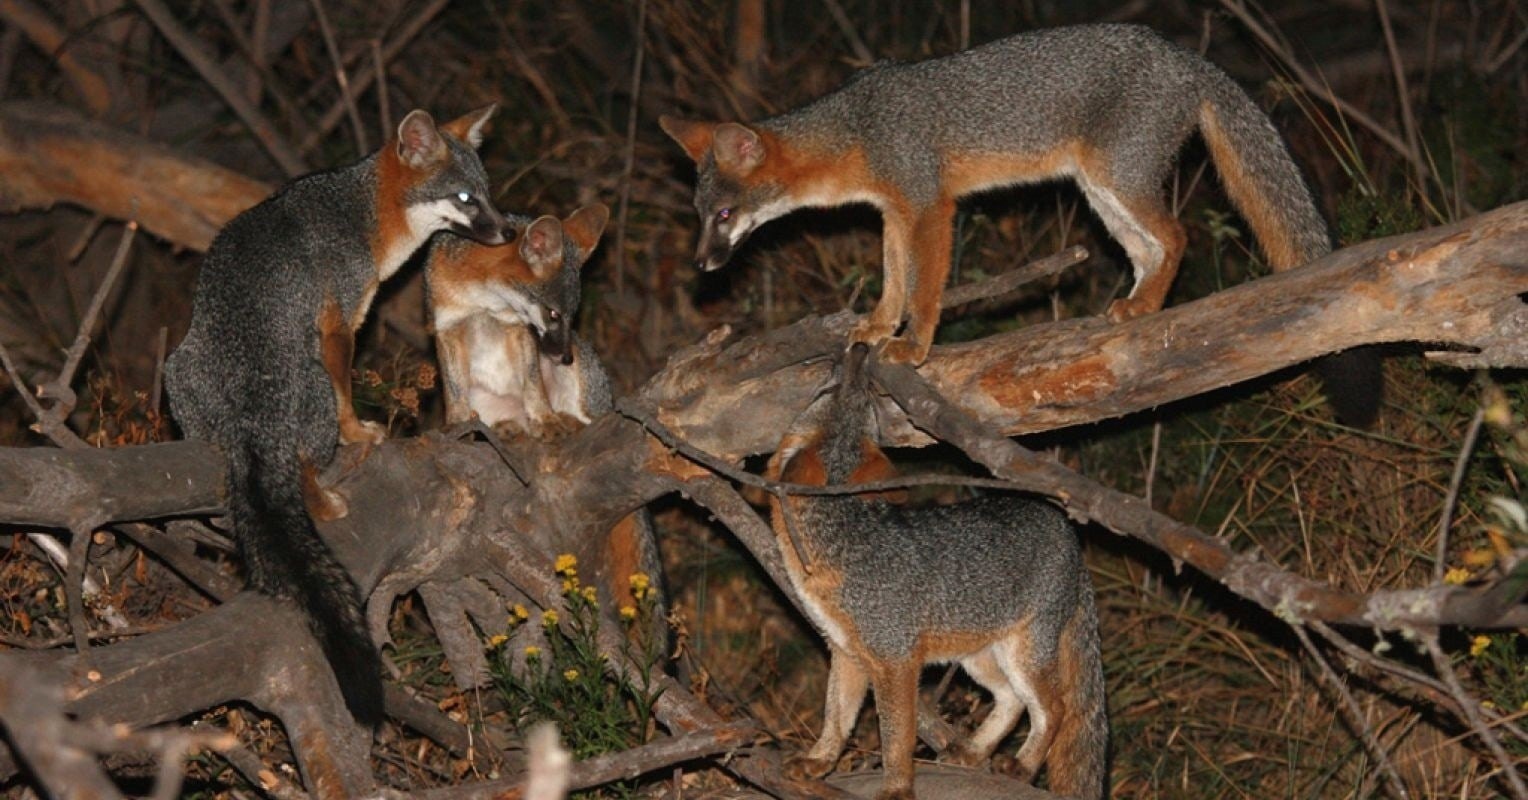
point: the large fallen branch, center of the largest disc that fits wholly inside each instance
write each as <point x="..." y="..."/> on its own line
<point x="50" y="155"/>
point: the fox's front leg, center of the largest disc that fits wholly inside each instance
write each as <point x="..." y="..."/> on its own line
<point x="455" y="370"/>
<point x="896" y="243"/>
<point x="933" y="242"/>
<point x="337" y="349"/>
<point x="847" y="681"/>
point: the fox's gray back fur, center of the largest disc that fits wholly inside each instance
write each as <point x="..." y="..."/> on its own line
<point x="253" y="340"/>
<point x="989" y="561"/>
<point x="1123" y="88"/>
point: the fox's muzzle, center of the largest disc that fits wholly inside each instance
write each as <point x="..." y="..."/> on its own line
<point x="556" y="342"/>
<point x="714" y="251"/>
<point x="488" y="226"/>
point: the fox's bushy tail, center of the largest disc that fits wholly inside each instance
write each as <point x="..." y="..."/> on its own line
<point x="1266" y="186"/>
<point x="1078" y="761"/>
<point x="286" y="558"/>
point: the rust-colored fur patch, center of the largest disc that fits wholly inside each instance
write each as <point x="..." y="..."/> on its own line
<point x="467" y="266"/>
<point x="394" y="178"/>
<point x="1277" y="239"/>
<point x="972" y="172"/>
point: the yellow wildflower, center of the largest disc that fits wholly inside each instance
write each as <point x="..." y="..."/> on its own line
<point x="570" y="675"/>
<point x="567" y="565"/>
<point x="1478" y="645"/>
<point x="569" y="585"/>
<point x="520" y="612"/>
<point x="640" y="584"/>
<point x="497" y="640"/>
<point x="628" y="613"/>
<point x="1488" y="704"/>
<point x="549" y="618"/>
<point x="532" y="651"/>
<point x="1456" y="576"/>
<point x="590" y="594"/>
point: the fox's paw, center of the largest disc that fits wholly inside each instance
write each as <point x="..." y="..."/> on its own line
<point x="808" y="767"/>
<point x="558" y="425"/>
<point x="964" y="755"/>
<point x="905" y="351"/>
<point x="871" y="331"/>
<point x="1129" y="308"/>
<point x="357" y="431"/>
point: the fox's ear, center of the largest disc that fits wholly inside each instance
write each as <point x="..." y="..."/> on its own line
<point x="419" y="142"/>
<point x="694" y="137"/>
<point x="471" y="126"/>
<point x="584" y="226"/>
<point x="541" y="246"/>
<point x="738" y="149"/>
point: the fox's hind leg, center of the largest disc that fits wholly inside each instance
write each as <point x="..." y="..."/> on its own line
<point x="1125" y="192"/>
<point x="1006" y="707"/>
<point x="933" y="249"/>
<point x="846" y="693"/>
<point x="896" y="701"/>
<point x="1034" y="679"/>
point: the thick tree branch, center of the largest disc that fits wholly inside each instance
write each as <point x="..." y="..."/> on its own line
<point x="52" y="155"/>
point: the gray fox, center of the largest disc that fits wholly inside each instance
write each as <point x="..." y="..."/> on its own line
<point x="508" y="355"/>
<point x="1106" y="105"/>
<point x="996" y="584"/>
<point x="502" y="317"/>
<point x="264" y="370"/>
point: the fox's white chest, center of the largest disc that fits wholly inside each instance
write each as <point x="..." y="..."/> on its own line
<point x="496" y="380"/>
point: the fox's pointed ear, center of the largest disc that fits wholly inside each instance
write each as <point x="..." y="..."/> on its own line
<point x="541" y="246"/>
<point x="419" y="142"/>
<point x="584" y="226"/>
<point x="471" y="126"/>
<point x="694" y="137"/>
<point x="738" y="149"/>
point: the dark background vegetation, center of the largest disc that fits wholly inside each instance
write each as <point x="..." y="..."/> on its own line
<point x="1209" y="695"/>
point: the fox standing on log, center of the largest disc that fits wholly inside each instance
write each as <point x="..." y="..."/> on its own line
<point x="996" y="584"/>
<point x="264" y="371"/>
<point x="1106" y="105"/>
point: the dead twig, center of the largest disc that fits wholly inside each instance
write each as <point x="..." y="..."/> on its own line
<point x="1354" y="715"/>
<point x="362" y="148"/>
<point x="1471" y="709"/>
<point x="186" y="44"/>
<point x="631" y="148"/>
<point x="1462" y="462"/>
<point x="1014" y="278"/>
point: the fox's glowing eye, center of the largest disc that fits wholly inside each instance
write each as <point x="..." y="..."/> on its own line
<point x="724" y="215"/>
<point x="553" y="314"/>
<point x="464" y="197"/>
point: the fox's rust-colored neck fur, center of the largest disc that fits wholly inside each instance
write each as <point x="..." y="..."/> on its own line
<point x="393" y="240"/>
<point x="469" y="266"/>
<point x="815" y="174"/>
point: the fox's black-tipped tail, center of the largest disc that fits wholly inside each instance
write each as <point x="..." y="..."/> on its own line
<point x="1266" y="186"/>
<point x="1353" y="382"/>
<point x="286" y="558"/>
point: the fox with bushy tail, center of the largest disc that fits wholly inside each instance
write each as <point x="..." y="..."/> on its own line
<point x="1108" y="106"/>
<point x="996" y="584"/>
<point x="264" y="370"/>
